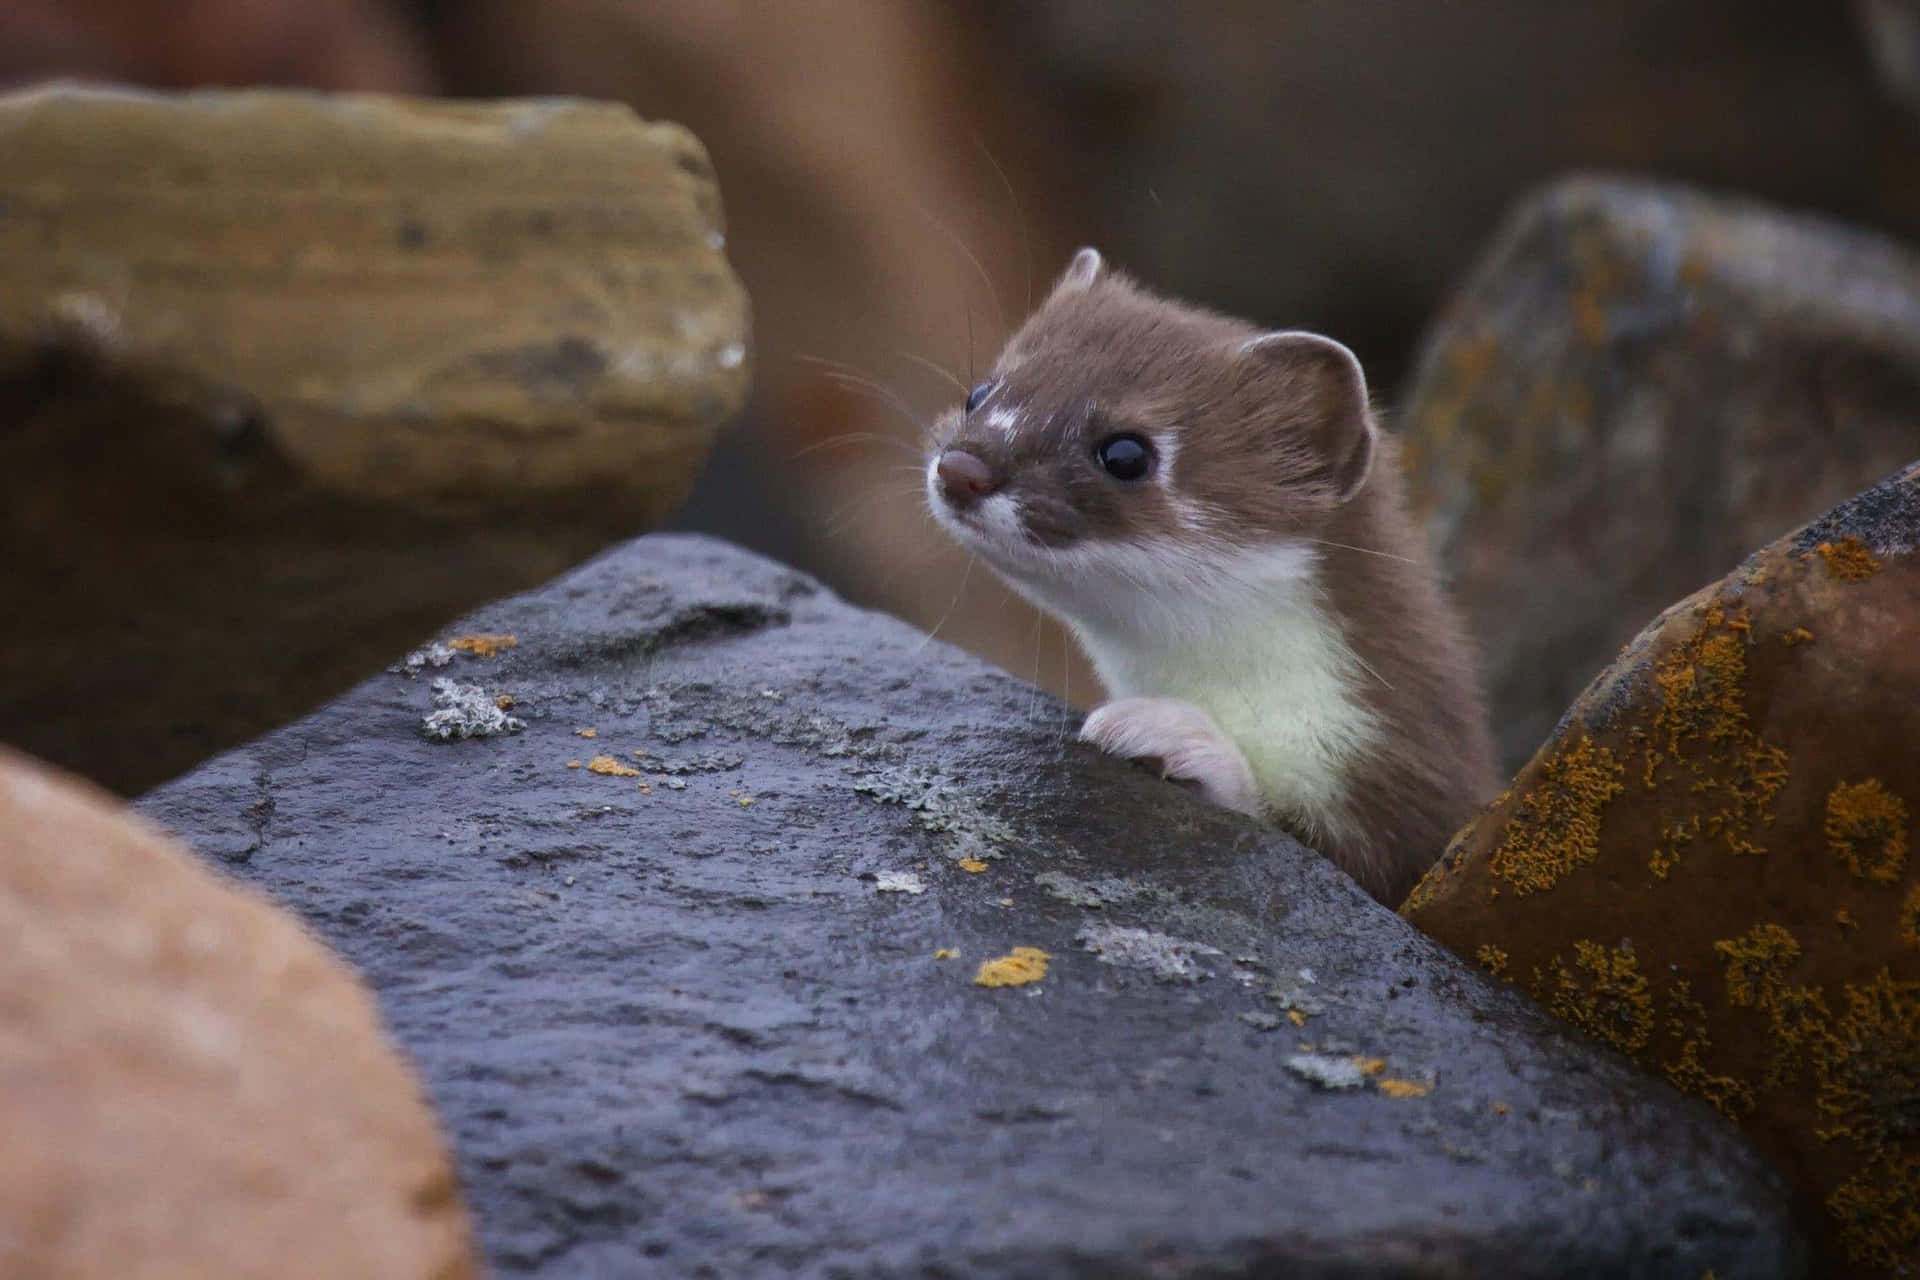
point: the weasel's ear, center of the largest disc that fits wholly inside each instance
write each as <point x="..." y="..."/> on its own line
<point x="1325" y="379"/>
<point x="1082" y="271"/>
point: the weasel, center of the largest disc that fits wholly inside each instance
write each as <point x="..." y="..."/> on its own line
<point x="1214" y="513"/>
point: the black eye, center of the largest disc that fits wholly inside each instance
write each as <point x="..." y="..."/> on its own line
<point x="979" y="393"/>
<point x="1125" y="457"/>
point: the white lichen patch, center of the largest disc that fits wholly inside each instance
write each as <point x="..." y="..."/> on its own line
<point x="465" y="711"/>
<point x="1168" y="958"/>
<point x="1328" y="1071"/>
<point x="940" y="806"/>
<point x="1108" y="891"/>
<point x="899" y="882"/>
<point x="432" y="655"/>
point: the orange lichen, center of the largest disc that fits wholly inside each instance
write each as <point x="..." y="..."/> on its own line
<point x="1878" y="1212"/>
<point x="504" y="702"/>
<point x="588" y="733"/>
<point x="1799" y="635"/>
<point x="1757" y="963"/>
<point x="1701" y="726"/>
<point x="1370" y="1066"/>
<point x="1687" y="1025"/>
<point x="611" y="767"/>
<point x="945" y="953"/>
<point x="1017" y="968"/>
<point x="573" y="764"/>
<point x="1501" y="1108"/>
<point x="1910" y="918"/>
<point x="1800" y="1025"/>
<point x="1612" y="1002"/>
<point x="482" y="646"/>
<point x="1869" y="1089"/>
<point x="1492" y="959"/>
<point x="971" y="864"/>
<point x="1843" y="919"/>
<point x="1394" y="1087"/>
<point x="1296" y="1017"/>
<point x="1556" y="826"/>
<point x="1848" y="560"/>
<point x="1867" y="829"/>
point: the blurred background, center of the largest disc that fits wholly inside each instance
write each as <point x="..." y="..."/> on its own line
<point x="903" y="177"/>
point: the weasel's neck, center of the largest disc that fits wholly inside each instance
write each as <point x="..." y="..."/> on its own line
<point x="1272" y="666"/>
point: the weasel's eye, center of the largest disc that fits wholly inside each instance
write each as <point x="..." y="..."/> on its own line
<point x="1125" y="457"/>
<point x="979" y="393"/>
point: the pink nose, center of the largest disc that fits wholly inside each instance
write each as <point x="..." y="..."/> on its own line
<point x="964" y="478"/>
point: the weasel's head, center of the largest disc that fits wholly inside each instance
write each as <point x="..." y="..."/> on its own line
<point x="1126" y="444"/>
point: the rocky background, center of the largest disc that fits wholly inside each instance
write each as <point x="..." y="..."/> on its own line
<point x="902" y="175"/>
<point x="678" y="861"/>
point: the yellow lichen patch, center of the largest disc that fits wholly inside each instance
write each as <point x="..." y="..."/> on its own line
<point x="1015" y="969"/>
<point x="1870" y="1069"/>
<point x="1878" y="1212"/>
<point x="1394" y="1087"/>
<point x="945" y="953"/>
<point x="1492" y="959"/>
<point x="1867" y="829"/>
<point x="1910" y="918"/>
<point x="504" y="702"/>
<point x="611" y="767"/>
<point x="1757" y="963"/>
<point x="1701" y="726"/>
<point x="482" y="646"/>
<point x="1296" y="1017"/>
<point x="1799" y="635"/>
<point x="1869" y="1078"/>
<point x="588" y="733"/>
<point x="1556" y="825"/>
<point x="573" y="764"/>
<point x="1848" y="560"/>
<point x="1501" y="1108"/>
<point x="1800" y="1026"/>
<point x="1370" y="1066"/>
<point x="971" y="864"/>
<point x="1843" y="918"/>
<point x="1687" y="1025"/>
<point x="1605" y="995"/>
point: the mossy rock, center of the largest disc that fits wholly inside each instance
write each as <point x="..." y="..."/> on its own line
<point x="1710" y="865"/>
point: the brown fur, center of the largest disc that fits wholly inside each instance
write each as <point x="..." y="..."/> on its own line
<point x="1268" y="443"/>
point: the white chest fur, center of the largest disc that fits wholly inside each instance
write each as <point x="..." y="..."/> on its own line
<point x="1248" y="639"/>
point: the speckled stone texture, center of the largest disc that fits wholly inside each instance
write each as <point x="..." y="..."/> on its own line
<point x="1638" y="386"/>
<point x="834" y="954"/>
<point x="1710" y="865"/>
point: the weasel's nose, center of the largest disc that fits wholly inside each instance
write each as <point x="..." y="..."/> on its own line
<point x="964" y="477"/>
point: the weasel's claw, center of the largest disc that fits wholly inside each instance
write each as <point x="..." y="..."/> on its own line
<point x="1182" y="742"/>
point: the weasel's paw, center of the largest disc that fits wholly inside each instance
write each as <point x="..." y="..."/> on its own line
<point x="1181" y="741"/>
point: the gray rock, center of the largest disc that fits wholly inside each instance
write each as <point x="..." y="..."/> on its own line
<point x="1640" y="385"/>
<point x="682" y="1033"/>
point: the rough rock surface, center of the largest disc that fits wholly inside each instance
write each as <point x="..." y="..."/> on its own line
<point x="783" y="941"/>
<point x="1711" y="865"/>
<point x="1640" y="385"/>
<point x="286" y="379"/>
<point x="189" y="1084"/>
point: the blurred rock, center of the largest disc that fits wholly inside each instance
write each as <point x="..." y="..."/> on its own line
<point x="193" y="1086"/>
<point x="344" y="44"/>
<point x="1892" y="32"/>
<point x="1711" y="865"/>
<point x="287" y="380"/>
<point x="779" y="942"/>
<point x="1639" y="385"/>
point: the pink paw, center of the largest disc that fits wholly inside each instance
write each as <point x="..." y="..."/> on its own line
<point x="1182" y="741"/>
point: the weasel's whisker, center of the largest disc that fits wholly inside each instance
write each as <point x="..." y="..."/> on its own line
<point x="951" y="604"/>
<point x="1019" y="215"/>
<point x="937" y="368"/>
<point x="1384" y="555"/>
<point x="837" y="372"/>
<point x="853" y="438"/>
<point x="1000" y="315"/>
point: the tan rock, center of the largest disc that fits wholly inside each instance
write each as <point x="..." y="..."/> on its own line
<point x="1639" y="385"/>
<point x="190" y="1085"/>
<point x="1711" y="865"/>
<point x="286" y="380"/>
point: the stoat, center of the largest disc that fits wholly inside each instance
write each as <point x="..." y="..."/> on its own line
<point x="1215" y="514"/>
